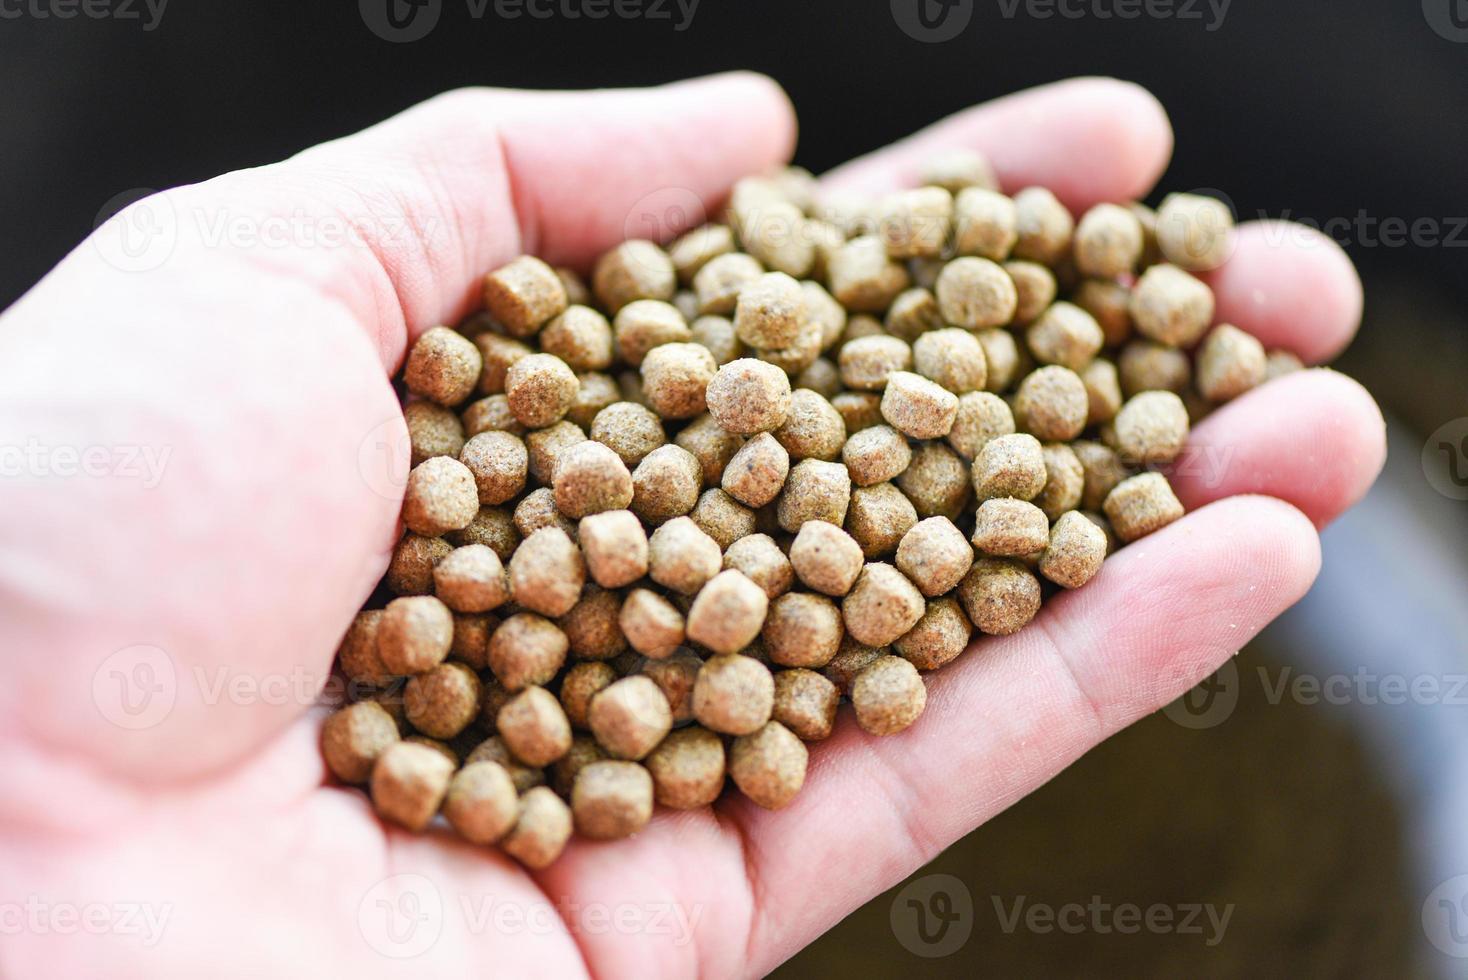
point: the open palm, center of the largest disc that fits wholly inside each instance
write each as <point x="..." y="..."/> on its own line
<point x="166" y="633"/>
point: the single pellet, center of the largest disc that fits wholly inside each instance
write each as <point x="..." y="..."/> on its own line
<point x="916" y="223"/>
<point x="1045" y="226"/>
<point x="443" y="701"/>
<point x="582" y="753"/>
<point x="952" y="358"/>
<point x="748" y="396"/>
<point x="497" y="354"/>
<point x="934" y="556"/>
<point x="696" y="248"/>
<point x="471" y="639"/>
<point x="863" y="277"/>
<point x="867" y="363"/>
<point x="357" y="654"/>
<point x="1000" y="595"/>
<point x="409" y="782"/>
<point x="912" y="314"/>
<point x="499" y="462"/>
<point x="716" y="335"/>
<point x="888" y="696"/>
<point x="918" y="407"/>
<point x="581" y="337"/>
<point x="1103" y="391"/>
<point x="432" y="431"/>
<point x="592" y="628"/>
<point x="1171" y="307"/>
<point x="722" y="518"/>
<point x="443" y="367"/>
<point x="728" y="612"/>
<point x="1141" y="504"/>
<point x="471" y="579"/>
<point x="757" y="472"/>
<point x="768" y="765"/>
<point x="1145" y="365"/>
<point x="354" y="737"/>
<point x="675" y="677"/>
<point x="441" y="496"/>
<point x="675" y="378"/>
<point x="802" y="630"/>
<point x="814" y="491"/>
<point x="1010" y="466"/>
<point x="410" y="572"/>
<point x="1065" y="481"/>
<point x="1001" y="356"/>
<point x="881" y="606"/>
<point x="493" y="527"/>
<point x="805" y="703"/>
<point x="1109" y="303"/>
<point x="981" y="416"/>
<point x="1280" y="363"/>
<point x="523" y="295"/>
<point x="1052" y="404"/>
<point x="414" y="635"/>
<point x="1108" y="242"/>
<point x="546" y="572"/>
<point x="1076" y="550"/>
<point x="1151" y="428"/>
<point x="634" y="270"/>
<point x="878" y="517"/>
<point x="666" y="484"/>
<point x="652" y="624"/>
<point x="542" y="827"/>
<point x="687" y="768"/>
<point x="1230" y="362"/>
<point x="583" y="682"/>
<point x="760" y="559"/>
<point x="1006" y="527"/>
<point x="733" y="694"/>
<point x="938" y="638"/>
<point x="630" y="717"/>
<point x="526" y="650"/>
<point x="644" y="325"/>
<point x="985" y="224"/>
<point x="859" y="409"/>
<point x="1066" y="335"/>
<point x="957" y="169"/>
<point x="681" y="557"/>
<point x="826" y="558"/>
<point x="481" y="802"/>
<point x="1194" y="232"/>
<point x="630" y="430"/>
<point x="493" y="749"/>
<point x="611" y="800"/>
<point x="545" y="447"/>
<point x="537" y="510"/>
<point x="975" y="293"/>
<point x="718" y="284"/>
<point x="535" y="727"/>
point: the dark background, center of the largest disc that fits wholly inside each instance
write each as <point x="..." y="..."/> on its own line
<point x="1309" y="110"/>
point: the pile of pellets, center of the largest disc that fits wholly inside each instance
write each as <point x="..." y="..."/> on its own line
<point x="660" y="527"/>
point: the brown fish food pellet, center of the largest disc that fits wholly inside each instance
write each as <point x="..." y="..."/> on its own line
<point x="658" y="523"/>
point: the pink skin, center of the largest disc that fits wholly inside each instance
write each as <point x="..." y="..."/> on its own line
<point x="265" y="368"/>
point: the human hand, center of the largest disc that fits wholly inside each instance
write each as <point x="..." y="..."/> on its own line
<point x="185" y="780"/>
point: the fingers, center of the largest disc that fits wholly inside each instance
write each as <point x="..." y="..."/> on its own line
<point x="1291" y="287"/>
<point x="452" y="188"/>
<point x="1162" y="614"/>
<point x="1087" y="139"/>
<point x="1313" y="438"/>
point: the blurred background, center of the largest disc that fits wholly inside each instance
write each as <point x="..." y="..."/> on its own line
<point x="1303" y="811"/>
